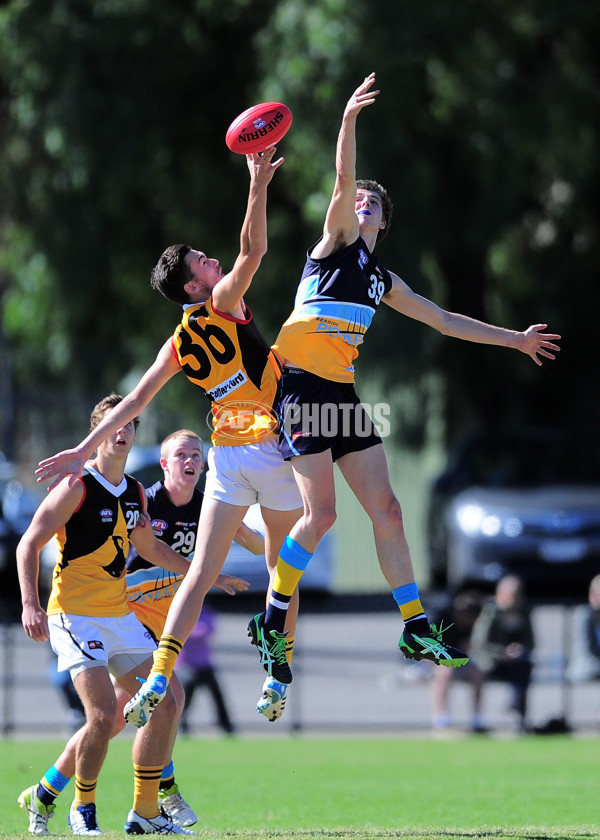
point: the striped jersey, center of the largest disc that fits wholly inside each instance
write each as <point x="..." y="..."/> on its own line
<point x="230" y="360"/>
<point x="89" y="576"/>
<point x="335" y="303"/>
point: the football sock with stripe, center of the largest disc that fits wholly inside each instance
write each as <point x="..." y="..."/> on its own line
<point x="289" y="648"/>
<point x="167" y="777"/>
<point x="85" y="791"/>
<point x="145" y="790"/>
<point x="411" y="608"/>
<point x="291" y="564"/>
<point x="51" y="784"/>
<point x="165" y="657"/>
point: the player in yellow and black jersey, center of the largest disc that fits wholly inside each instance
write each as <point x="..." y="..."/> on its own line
<point x="218" y="347"/>
<point x="91" y="629"/>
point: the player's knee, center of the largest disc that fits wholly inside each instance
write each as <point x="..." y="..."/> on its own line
<point x="102" y="720"/>
<point x="322" y="520"/>
<point x="388" y="518"/>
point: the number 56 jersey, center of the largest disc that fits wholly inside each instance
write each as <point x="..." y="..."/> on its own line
<point x="335" y="303"/>
<point x="233" y="364"/>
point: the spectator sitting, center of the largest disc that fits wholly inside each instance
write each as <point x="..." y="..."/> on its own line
<point x="584" y="663"/>
<point x="459" y="620"/>
<point x="503" y="642"/>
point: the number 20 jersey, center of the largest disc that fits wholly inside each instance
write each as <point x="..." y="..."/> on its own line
<point x="89" y="576"/>
<point x="335" y="303"/>
<point x="233" y="364"/>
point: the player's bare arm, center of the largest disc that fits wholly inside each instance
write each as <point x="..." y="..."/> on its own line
<point x="341" y="222"/>
<point x="253" y="541"/>
<point x="156" y="551"/>
<point x="53" y="512"/>
<point x="71" y="461"/>
<point x="161" y="554"/>
<point x="228" y="293"/>
<point x="532" y="341"/>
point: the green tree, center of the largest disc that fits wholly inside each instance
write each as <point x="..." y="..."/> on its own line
<point x="485" y="133"/>
<point x="113" y="148"/>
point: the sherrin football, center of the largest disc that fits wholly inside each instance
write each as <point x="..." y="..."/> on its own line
<point x="258" y="128"/>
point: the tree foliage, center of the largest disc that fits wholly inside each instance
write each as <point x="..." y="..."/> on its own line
<point x="485" y="134"/>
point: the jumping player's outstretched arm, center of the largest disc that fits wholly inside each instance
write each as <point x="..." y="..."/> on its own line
<point x="532" y="341"/>
<point x="228" y="293"/>
<point x="341" y="221"/>
<point x="71" y="461"/>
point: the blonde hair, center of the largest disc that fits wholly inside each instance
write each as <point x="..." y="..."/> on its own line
<point x="167" y="444"/>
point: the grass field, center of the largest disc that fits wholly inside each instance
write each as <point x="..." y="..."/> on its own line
<point x="478" y="787"/>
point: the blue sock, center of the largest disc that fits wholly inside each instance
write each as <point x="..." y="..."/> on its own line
<point x="167" y="777"/>
<point x="52" y="783"/>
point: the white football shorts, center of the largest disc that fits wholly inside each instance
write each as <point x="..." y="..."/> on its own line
<point x="82" y="641"/>
<point x="250" y="474"/>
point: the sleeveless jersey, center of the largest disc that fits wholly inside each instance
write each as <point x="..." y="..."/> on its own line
<point x="335" y="303"/>
<point x="150" y="589"/>
<point x="235" y="367"/>
<point x="89" y="576"/>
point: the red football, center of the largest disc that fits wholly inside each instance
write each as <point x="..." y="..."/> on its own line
<point x="258" y="127"/>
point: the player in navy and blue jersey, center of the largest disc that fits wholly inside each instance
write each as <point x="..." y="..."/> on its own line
<point x="322" y="421"/>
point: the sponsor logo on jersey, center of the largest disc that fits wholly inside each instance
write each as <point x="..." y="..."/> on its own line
<point x="227" y="386"/>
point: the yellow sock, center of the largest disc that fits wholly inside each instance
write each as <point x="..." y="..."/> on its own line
<point x="165" y="657"/>
<point x="145" y="790"/>
<point x="289" y="649"/>
<point x="412" y="609"/>
<point x="286" y="578"/>
<point x="85" y="791"/>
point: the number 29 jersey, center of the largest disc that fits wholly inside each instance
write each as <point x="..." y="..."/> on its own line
<point x="233" y="364"/>
<point x="335" y="303"/>
<point x="151" y="589"/>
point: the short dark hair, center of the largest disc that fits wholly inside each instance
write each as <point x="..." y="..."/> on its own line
<point x="386" y="203"/>
<point x="104" y="406"/>
<point x="171" y="273"/>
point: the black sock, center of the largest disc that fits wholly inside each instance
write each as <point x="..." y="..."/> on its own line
<point x="276" y="615"/>
<point x="44" y="795"/>
<point x="418" y="625"/>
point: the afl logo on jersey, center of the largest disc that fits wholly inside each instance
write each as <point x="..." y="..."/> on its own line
<point x="159" y="526"/>
<point x="363" y="259"/>
<point x="106" y="515"/>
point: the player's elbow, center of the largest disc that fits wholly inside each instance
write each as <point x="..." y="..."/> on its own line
<point x="443" y="322"/>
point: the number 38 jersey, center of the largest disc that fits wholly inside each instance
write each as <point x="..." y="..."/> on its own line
<point x="233" y="364"/>
<point x="150" y="589"/>
<point x="89" y="576"/>
<point x="335" y="303"/>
